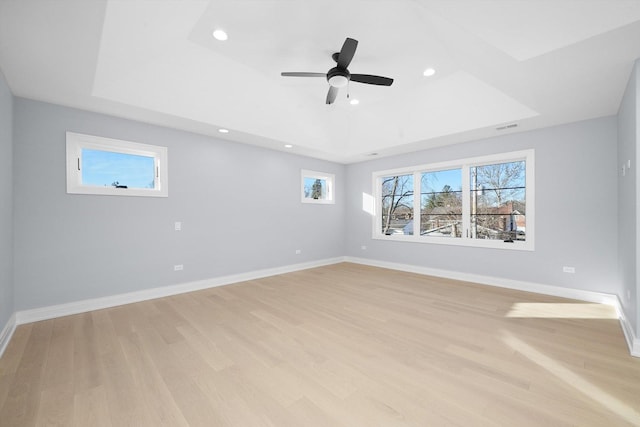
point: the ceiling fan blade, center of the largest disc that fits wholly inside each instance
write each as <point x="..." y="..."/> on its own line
<point x="303" y="74"/>
<point x="331" y="95"/>
<point x="372" y="80"/>
<point x="347" y="52"/>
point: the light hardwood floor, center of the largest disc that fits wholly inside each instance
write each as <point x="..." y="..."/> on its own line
<point x="343" y="345"/>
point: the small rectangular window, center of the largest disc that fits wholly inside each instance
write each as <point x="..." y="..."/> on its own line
<point x="317" y="187"/>
<point x="97" y="165"/>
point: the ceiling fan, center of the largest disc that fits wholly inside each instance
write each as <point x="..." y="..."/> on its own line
<point x="339" y="75"/>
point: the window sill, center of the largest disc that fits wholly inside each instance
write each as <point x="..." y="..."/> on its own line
<point x="476" y="243"/>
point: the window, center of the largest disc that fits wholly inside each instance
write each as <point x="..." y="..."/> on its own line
<point x="317" y="187"/>
<point x="483" y="201"/>
<point x="397" y="204"/>
<point x="498" y="202"/>
<point x="441" y="203"/>
<point x="97" y="165"/>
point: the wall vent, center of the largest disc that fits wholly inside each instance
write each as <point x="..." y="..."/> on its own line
<point x="509" y="126"/>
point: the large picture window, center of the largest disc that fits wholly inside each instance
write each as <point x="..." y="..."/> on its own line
<point x="483" y="201"/>
<point x="97" y="165"/>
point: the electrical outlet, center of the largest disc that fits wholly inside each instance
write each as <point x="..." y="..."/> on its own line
<point x="178" y="226"/>
<point x="178" y="267"/>
<point x="298" y="251"/>
<point x="566" y="269"/>
<point x="363" y="247"/>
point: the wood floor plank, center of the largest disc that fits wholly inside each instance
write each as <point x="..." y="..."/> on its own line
<point x="11" y="359"/>
<point x="59" y="364"/>
<point x="342" y="345"/>
<point x="157" y="398"/>
<point x="178" y="377"/>
<point x="125" y="398"/>
<point x="56" y="406"/>
<point x="23" y="400"/>
<point x="86" y="371"/>
<point x="90" y="408"/>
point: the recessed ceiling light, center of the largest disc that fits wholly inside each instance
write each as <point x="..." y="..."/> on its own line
<point x="429" y="72"/>
<point x="222" y="130"/>
<point x="220" y="35"/>
<point x="354" y="102"/>
<point x="288" y="146"/>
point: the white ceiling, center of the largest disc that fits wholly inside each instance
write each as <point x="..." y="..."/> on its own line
<point x="535" y="63"/>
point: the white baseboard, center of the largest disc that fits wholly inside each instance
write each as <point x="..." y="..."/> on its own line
<point x="7" y="333"/>
<point x="633" y="342"/>
<point x="500" y="282"/>
<point x="50" y="312"/>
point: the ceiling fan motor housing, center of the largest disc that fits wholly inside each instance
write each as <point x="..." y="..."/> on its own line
<point x="338" y="77"/>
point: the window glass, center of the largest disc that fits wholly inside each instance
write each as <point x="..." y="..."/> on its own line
<point x="498" y="208"/>
<point x="315" y="188"/>
<point x="441" y="203"/>
<point x="397" y="205"/>
<point x="121" y="170"/>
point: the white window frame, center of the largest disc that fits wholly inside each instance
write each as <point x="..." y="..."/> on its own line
<point x="327" y="177"/>
<point x="465" y="165"/>
<point x="77" y="141"/>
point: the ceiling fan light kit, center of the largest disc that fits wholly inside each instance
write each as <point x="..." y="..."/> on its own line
<point x="339" y="75"/>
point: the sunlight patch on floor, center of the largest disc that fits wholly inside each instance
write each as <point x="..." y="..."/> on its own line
<point x="562" y="311"/>
<point x="572" y="379"/>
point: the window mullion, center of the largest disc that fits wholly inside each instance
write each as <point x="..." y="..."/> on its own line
<point x="417" y="198"/>
<point x="377" y="206"/>
<point x="466" y="202"/>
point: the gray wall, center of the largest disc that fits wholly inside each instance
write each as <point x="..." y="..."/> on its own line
<point x="6" y="203"/>
<point x="239" y="206"/>
<point x="627" y="198"/>
<point x="576" y="210"/>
